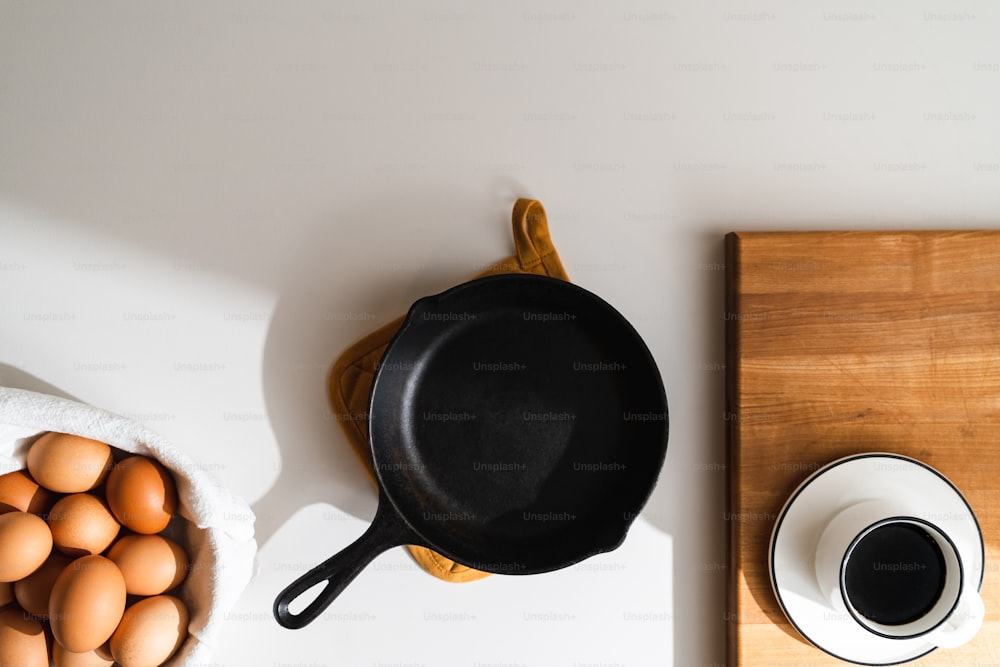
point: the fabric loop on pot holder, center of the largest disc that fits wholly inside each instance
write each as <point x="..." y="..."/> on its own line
<point x="351" y="376"/>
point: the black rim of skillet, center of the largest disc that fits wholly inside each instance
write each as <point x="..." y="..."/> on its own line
<point x="802" y="487"/>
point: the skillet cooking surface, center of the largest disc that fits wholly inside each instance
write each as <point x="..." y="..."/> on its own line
<point x="521" y="417"/>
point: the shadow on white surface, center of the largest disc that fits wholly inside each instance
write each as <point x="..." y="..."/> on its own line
<point x="12" y="376"/>
<point x="616" y="608"/>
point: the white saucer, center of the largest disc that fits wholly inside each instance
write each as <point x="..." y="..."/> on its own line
<point x="820" y="497"/>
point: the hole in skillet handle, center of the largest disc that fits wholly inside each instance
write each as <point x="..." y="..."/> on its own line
<point x="386" y="531"/>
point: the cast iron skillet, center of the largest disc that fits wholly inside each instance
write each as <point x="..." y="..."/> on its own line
<point x="517" y="425"/>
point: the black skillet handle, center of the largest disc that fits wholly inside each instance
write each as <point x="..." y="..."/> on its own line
<point x="386" y="531"/>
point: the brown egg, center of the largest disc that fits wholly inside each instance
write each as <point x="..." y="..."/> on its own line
<point x="33" y="591"/>
<point x="18" y="492"/>
<point x="99" y="657"/>
<point x="6" y="593"/>
<point x="82" y="525"/>
<point x="25" y="543"/>
<point x="87" y="603"/>
<point x="151" y="564"/>
<point x="68" y="463"/>
<point x="142" y="494"/>
<point x="150" y="632"/>
<point x="22" y="639"/>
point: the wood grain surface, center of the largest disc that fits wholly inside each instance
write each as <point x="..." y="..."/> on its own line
<point x="846" y="342"/>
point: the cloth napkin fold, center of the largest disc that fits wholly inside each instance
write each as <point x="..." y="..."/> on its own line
<point x="351" y="376"/>
<point x="219" y="526"/>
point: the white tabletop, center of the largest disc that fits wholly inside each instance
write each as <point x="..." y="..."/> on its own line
<point x="203" y="204"/>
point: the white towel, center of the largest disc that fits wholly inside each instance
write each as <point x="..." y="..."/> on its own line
<point x="219" y="531"/>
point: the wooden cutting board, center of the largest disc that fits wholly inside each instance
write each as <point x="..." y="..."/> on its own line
<point x="846" y="342"/>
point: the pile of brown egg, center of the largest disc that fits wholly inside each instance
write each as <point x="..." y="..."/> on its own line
<point x="85" y="573"/>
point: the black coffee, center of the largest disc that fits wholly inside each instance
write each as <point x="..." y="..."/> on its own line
<point x="895" y="574"/>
